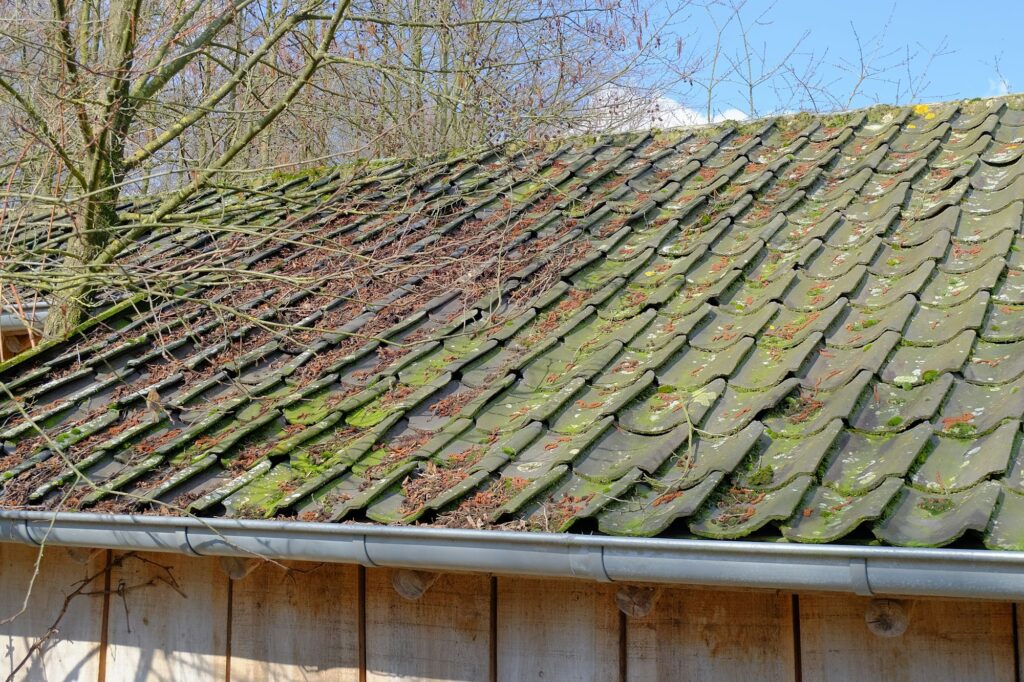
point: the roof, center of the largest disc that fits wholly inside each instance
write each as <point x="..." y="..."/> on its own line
<point x="805" y="328"/>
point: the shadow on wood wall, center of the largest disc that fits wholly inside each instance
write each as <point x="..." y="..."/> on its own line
<point x="173" y="617"/>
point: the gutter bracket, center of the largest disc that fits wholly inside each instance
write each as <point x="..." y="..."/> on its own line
<point x="16" y="530"/>
<point x="587" y="562"/>
<point x="364" y="555"/>
<point x="182" y="540"/>
<point x="859" y="577"/>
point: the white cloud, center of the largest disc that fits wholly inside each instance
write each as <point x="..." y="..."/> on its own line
<point x="623" y="110"/>
<point x="668" y="113"/>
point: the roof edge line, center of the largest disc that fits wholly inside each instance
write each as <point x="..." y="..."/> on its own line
<point x="863" y="570"/>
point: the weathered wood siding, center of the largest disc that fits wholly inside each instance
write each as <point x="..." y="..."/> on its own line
<point x="704" y="635"/>
<point x="299" y="622"/>
<point x="12" y="343"/>
<point x="74" y="652"/>
<point x="171" y="617"/>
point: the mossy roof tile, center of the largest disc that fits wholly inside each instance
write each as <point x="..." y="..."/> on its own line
<point x="786" y="331"/>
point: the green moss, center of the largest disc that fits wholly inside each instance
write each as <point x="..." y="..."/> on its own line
<point x="307" y="464"/>
<point x="749" y="128"/>
<point x="935" y="506"/>
<point x="861" y="325"/>
<point x="795" y="122"/>
<point x="836" y="120"/>
<point x="962" y="430"/>
<point x="895" y="421"/>
<point x="372" y="413"/>
<point x="311" y="173"/>
<point x="251" y="411"/>
<point x="56" y="419"/>
<point x="1015" y="101"/>
<point x="930" y="376"/>
<point x="763" y="476"/>
<point x="881" y="113"/>
<point x="309" y="410"/>
<point x="525" y="190"/>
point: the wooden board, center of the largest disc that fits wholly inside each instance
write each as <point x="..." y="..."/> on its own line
<point x="1018" y="610"/>
<point x="71" y="654"/>
<point x="157" y="633"/>
<point x="444" y="635"/>
<point x="557" y="630"/>
<point x="298" y="622"/>
<point x="701" y="635"/>
<point x="945" y="640"/>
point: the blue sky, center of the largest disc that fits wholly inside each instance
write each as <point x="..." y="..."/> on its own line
<point x="972" y="38"/>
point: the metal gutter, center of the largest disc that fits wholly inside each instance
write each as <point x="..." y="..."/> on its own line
<point x="12" y="319"/>
<point x="863" y="570"/>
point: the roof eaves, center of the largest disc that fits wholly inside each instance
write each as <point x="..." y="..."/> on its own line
<point x="862" y="570"/>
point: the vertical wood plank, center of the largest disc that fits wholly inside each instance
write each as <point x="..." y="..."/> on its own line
<point x="557" y="630"/>
<point x="1018" y="650"/>
<point x="709" y="635"/>
<point x="945" y="640"/>
<point x="160" y="631"/>
<point x="297" y="622"/>
<point x="443" y="635"/>
<point x="361" y="620"/>
<point x="73" y="652"/>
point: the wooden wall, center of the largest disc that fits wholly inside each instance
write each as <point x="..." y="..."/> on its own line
<point x="172" y="617"/>
<point x="12" y="343"/>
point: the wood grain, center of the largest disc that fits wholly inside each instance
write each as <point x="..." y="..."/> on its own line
<point x="945" y="640"/>
<point x="73" y="652"/>
<point x="295" y="622"/>
<point x="159" y="632"/>
<point x="444" y="635"/>
<point x="701" y="635"/>
<point x="557" y="630"/>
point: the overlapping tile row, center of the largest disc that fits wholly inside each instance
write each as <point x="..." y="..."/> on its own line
<point x="807" y="327"/>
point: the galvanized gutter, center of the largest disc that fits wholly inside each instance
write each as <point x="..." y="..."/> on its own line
<point x="13" y="319"/>
<point x="863" y="570"/>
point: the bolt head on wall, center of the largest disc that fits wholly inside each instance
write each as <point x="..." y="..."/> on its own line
<point x="886" y="617"/>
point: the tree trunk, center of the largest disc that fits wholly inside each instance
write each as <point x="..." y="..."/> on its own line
<point x="72" y="280"/>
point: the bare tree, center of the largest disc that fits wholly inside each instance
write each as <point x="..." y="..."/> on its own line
<point x="742" y="64"/>
<point x="104" y="76"/>
<point x="113" y="98"/>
